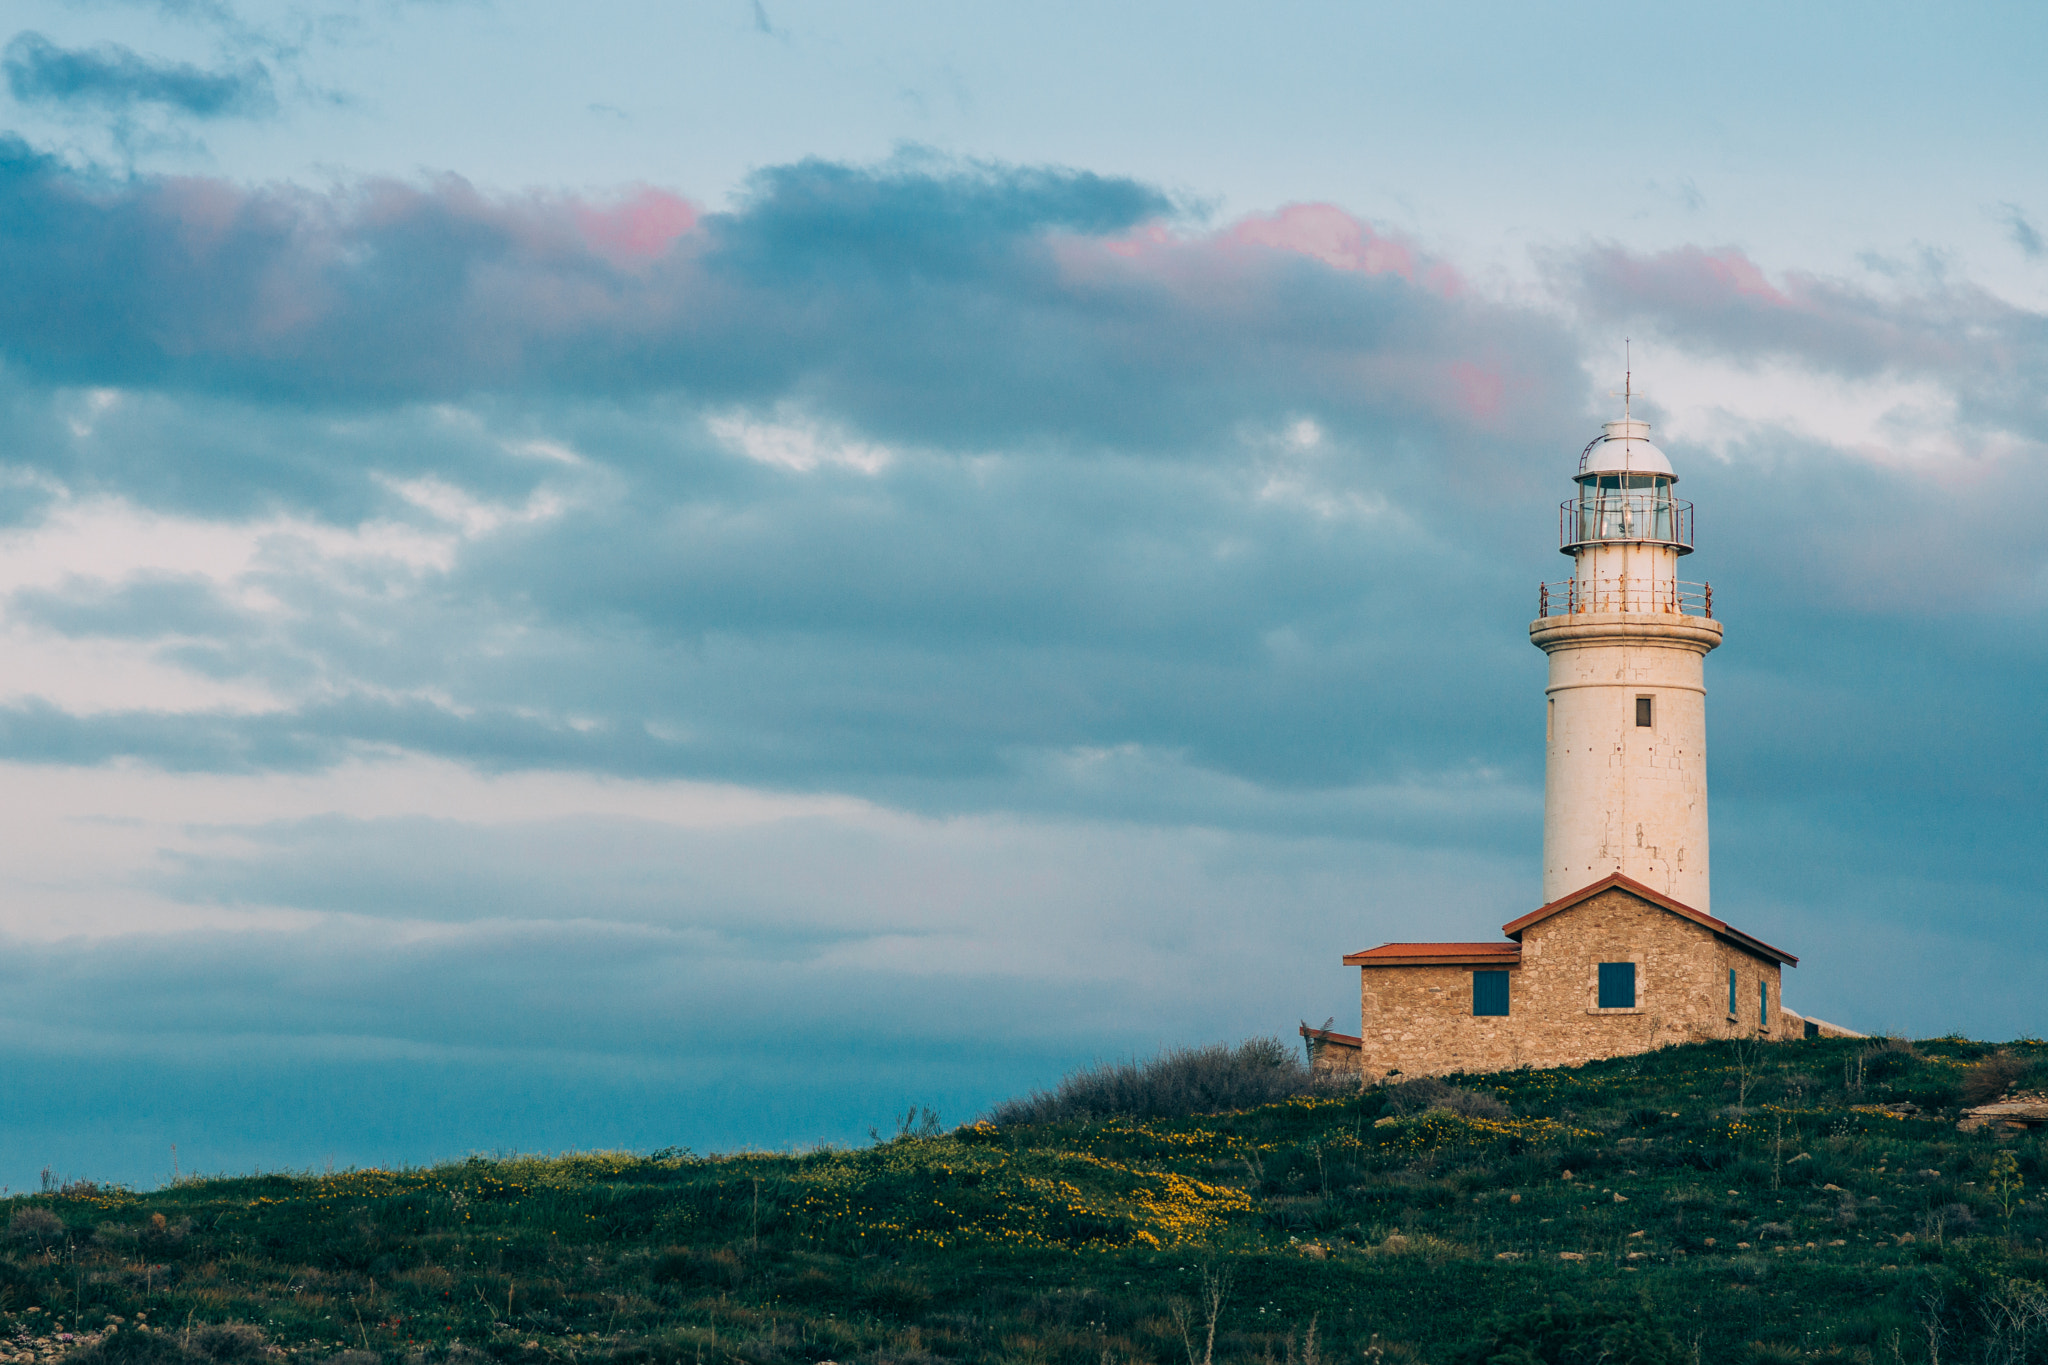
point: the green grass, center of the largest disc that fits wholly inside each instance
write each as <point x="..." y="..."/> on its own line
<point x="1710" y="1228"/>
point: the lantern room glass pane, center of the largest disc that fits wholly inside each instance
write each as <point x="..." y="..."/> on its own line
<point x="1625" y="507"/>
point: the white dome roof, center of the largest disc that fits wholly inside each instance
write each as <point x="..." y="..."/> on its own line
<point x="1625" y="448"/>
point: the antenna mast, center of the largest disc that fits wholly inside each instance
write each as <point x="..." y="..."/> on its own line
<point x="1628" y="378"/>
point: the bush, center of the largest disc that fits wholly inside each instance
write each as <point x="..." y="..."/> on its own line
<point x="1565" y="1334"/>
<point x="1991" y="1078"/>
<point x="1427" y="1092"/>
<point x="691" y="1268"/>
<point x="1175" y="1084"/>
<point x="227" y="1342"/>
<point x="135" y="1348"/>
<point x="1890" y="1058"/>
<point x="35" y="1227"/>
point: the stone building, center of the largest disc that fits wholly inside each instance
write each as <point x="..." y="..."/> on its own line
<point x="1623" y="955"/>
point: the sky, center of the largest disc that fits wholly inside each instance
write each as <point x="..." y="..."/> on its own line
<point x="651" y="575"/>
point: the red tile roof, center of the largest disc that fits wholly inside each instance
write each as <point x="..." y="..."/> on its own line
<point x="1509" y="954"/>
<point x="1330" y="1036"/>
<point x="1435" y="954"/>
<point x="1721" y="928"/>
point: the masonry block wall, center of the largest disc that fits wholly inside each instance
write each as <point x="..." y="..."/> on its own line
<point x="1419" y="1020"/>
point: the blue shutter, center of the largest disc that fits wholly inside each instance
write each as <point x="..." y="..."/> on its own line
<point x="1490" y="993"/>
<point x="1617" y="985"/>
<point x="1763" y="1004"/>
<point x="1731" y="990"/>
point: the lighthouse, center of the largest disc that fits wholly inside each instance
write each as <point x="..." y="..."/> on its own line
<point x="1624" y="955"/>
<point x="1625" y="711"/>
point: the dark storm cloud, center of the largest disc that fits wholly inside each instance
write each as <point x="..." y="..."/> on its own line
<point x="113" y="77"/>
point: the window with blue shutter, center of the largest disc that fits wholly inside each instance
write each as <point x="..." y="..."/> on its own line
<point x="1617" y="985"/>
<point x="1490" y="993"/>
<point x="1763" y="1004"/>
<point x="1731" y="992"/>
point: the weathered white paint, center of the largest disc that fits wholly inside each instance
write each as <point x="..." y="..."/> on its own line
<point x="1617" y="796"/>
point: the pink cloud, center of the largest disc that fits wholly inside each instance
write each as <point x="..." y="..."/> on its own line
<point x="1479" y="389"/>
<point x="1695" y="275"/>
<point x="1323" y="233"/>
<point x="1328" y="234"/>
<point x="640" y="228"/>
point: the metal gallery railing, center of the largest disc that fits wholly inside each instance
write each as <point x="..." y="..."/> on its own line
<point x="1574" y="597"/>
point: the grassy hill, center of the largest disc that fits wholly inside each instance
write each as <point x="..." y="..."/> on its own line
<point x="1701" y="1204"/>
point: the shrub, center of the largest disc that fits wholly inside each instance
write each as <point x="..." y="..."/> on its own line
<point x="1427" y="1092"/>
<point x="1951" y="1220"/>
<point x="135" y="1348"/>
<point x="1892" y="1057"/>
<point x="692" y="1268"/>
<point x="35" y="1227"/>
<point x="1177" y="1083"/>
<point x="161" y="1237"/>
<point x="1985" y="1081"/>
<point x="228" y="1341"/>
<point x="1563" y="1333"/>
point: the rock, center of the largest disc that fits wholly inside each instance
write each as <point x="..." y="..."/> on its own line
<point x="1621" y="1199"/>
<point x="2029" y="1110"/>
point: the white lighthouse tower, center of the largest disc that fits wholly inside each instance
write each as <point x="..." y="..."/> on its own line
<point x="1625" y="768"/>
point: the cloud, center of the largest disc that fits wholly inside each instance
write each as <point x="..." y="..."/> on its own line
<point x="922" y="301"/>
<point x="2023" y="233"/>
<point x="1105" y="597"/>
<point x="116" y="78"/>
<point x="1967" y="346"/>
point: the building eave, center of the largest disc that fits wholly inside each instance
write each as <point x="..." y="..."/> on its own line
<point x="1437" y="955"/>
<point x="1721" y="929"/>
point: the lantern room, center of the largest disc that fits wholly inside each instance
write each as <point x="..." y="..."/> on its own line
<point x="1625" y="495"/>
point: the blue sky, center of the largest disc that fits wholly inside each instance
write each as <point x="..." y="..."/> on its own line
<point x="642" y="575"/>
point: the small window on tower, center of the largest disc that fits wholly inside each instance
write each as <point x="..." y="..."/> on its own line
<point x="1643" y="712"/>
<point x="1731" y="992"/>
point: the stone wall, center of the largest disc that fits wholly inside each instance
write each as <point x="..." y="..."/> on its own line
<point x="1419" y="1020"/>
<point x="1331" y="1053"/>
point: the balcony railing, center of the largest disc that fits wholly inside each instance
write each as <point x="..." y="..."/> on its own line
<point x="1575" y="597"/>
<point x="1625" y="515"/>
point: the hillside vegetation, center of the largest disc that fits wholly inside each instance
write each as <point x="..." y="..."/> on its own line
<point x="1713" y="1203"/>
